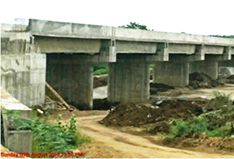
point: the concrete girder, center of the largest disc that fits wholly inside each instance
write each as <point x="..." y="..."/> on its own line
<point x="198" y="55"/>
<point x="227" y="55"/>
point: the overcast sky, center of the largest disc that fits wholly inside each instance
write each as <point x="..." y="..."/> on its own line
<point x="206" y="17"/>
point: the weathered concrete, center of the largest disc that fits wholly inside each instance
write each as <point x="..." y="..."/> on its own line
<point x="128" y="79"/>
<point x="17" y="141"/>
<point x="74" y="30"/>
<point x="72" y="79"/>
<point x="229" y="63"/>
<point x="171" y="73"/>
<point x="208" y="67"/>
<point x="82" y="46"/>
<point x="24" y="77"/>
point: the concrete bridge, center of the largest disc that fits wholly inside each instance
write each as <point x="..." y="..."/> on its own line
<point x="72" y="49"/>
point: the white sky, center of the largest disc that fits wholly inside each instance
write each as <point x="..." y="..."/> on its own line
<point x="206" y="17"/>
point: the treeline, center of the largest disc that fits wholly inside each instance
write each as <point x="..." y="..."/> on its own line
<point x="223" y="36"/>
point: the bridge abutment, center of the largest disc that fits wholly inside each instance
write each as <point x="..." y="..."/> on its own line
<point x="128" y="79"/>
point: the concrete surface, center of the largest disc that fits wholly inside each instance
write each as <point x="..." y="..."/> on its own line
<point x="171" y="73"/>
<point x="17" y="141"/>
<point x="81" y="46"/>
<point x="128" y="79"/>
<point x="72" y="80"/>
<point x="24" y="77"/>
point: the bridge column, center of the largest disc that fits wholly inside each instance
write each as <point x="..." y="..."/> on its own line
<point x="128" y="79"/>
<point x="208" y="67"/>
<point x="72" y="77"/>
<point x="171" y="73"/>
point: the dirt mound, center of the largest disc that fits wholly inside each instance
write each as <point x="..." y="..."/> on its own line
<point x="159" y="87"/>
<point x="99" y="81"/>
<point x="139" y="114"/>
<point x="230" y="79"/>
<point x="201" y="80"/>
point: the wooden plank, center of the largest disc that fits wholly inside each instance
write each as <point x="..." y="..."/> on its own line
<point x="58" y="96"/>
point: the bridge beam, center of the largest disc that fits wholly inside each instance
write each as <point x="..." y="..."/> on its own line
<point x="128" y="79"/>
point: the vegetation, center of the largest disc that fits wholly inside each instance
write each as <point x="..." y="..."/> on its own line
<point x="223" y="36"/>
<point x="51" y="138"/>
<point x="100" y="69"/>
<point x="134" y="25"/>
<point x="217" y="123"/>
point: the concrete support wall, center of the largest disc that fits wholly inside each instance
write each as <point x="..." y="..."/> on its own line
<point x="15" y="140"/>
<point x="171" y="73"/>
<point x="23" y="76"/>
<point x="128" y="79"/>
<point x="208" y="67"/>
<point x="73" y="80"/>
<point x="229" y="63"/>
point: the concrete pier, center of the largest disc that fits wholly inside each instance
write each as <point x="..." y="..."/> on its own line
<point x="208" y="67"/>
<point x="171" y="73"/>
<point x="128" y="79"/>
<point x="228" y="63"/>
<point x="71" y="79"/>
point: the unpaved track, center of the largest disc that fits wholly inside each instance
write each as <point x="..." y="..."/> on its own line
<point x="133" y="146"/>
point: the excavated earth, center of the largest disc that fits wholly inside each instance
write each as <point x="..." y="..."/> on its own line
<point x="158" y="119"/>
<point x="202" y="80"/>
<point x="158" y="115"/>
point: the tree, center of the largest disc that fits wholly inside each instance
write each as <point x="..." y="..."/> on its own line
<point x="134" y="25"/>
<point x="223" y="36"/>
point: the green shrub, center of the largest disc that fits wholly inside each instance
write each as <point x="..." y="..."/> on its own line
<point x="220" y="101"/>
<point x="51" y="138"/>
<point x="220" y="132"/>
<point x="197" y="124"/>
<point x="223" y="112"/>
<point x="100" y="69"/>
<point x="101" y="72"/>
<point x="180" y="128"/>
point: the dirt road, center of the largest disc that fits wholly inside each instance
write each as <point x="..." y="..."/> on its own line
<point x="118" y="144"/>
